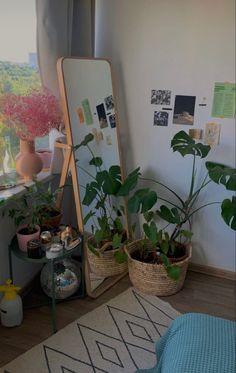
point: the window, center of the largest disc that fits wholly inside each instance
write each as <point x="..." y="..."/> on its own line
<point x="18" y="66"/>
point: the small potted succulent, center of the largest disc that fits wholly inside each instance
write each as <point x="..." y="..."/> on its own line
<point x="104" y="194"/>
<point x="34" y="210"/>
<point x="158" y="262"/>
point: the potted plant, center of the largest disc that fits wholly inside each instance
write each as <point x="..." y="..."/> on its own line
<point x="49" y="212"/>
<point x="105" y="195"/>
<point x="158" y="262"/>
<point x="31" y="116"/>
<point x="35" y="210"/>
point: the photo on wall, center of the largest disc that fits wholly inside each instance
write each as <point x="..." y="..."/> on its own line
<point x="184" y="109"/>
<point x="112" y="120"/>
<point x="102" y="116"/>
<point x="160" y="118"/>
<point x="160" y="97"/>
<point x="109" y="102"/>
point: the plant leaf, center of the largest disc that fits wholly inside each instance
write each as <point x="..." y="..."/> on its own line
<point x="142" y="200"/>
<point x="170" y="215"/>
<point x="151" y="231"/>
<point x="98" y="236"/>
<point x="186" y="233"/>
<point x="165" y="260"/>
<point x="110" y="181"/>
<point x="148" y="215"/>
<point x="184" y="144"/>
<point x="88" y="216"/>
<point x="103" y="223"/>
<point x="90" y="194"/>
<point x="129" y="183"/>
<point x="19" y="219"/>
<point x="93" y="250"/>
<point x="96" y="161"/>
<point x="228" y="212"/>
<point x="118" y="224"/>
<point x="173" y="272"/>
<point x="222" y="174"/>
<point x="120" y="257"/>
<point x="164" y="246"/>
<point x="88" y="138"/>
<point x="116" y="241"/>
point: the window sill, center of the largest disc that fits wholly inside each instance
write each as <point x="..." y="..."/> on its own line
<point x="19" y="189"/>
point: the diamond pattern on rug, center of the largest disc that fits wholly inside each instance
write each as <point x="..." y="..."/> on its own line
<point x="117" y="337"/>
<point x="57" y="361"/>
<point x="109" y="353"/>
<point x="139" y="331"/>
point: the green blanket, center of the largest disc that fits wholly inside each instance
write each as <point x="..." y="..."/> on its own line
<point x="197" y="343"/>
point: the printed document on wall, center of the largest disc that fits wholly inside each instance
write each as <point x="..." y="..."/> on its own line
<point x="224" y="100"/>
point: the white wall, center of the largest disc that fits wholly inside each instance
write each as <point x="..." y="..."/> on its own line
<point x="184" y="46"/>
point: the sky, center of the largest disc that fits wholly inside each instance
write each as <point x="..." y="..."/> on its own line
<point x="17" y="30"/>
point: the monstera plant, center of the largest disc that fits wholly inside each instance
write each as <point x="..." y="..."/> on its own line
<point x="104" y="196"/>
<point x="166" y="244"/>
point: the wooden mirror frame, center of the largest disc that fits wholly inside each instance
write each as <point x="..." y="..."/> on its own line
<point x="70" y="165"/>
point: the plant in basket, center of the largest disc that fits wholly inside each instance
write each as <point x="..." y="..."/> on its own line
<point x="34" y="209"/>
<point x="105" y="195"/>
<point x="167" y="243"/>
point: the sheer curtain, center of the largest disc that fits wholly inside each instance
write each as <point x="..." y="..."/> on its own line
<point x="64" y="28"/>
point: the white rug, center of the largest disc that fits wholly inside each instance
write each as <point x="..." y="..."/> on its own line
<point x="119" y="336"/>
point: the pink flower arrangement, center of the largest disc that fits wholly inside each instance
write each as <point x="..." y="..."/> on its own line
<point x="33" y="115"/>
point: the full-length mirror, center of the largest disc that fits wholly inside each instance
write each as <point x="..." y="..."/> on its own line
<point x="87" y="91"/>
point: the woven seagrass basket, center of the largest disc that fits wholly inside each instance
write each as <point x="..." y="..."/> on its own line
<point x="152" y="278"/>
<point x="105" y="264"/>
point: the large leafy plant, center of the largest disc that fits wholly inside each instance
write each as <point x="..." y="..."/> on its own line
<point x="177" y="211"/>
<point x="34" y="207"/>
<point x="105" y="193"/>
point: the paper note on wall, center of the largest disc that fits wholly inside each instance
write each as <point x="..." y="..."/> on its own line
<point x="224" y="100"/>
<point x="212" y="134"/>
<point x="80" y="115"/>
<point x="87" y="111"/>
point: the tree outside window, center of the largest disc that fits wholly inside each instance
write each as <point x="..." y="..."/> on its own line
<point x="19" y="73"/>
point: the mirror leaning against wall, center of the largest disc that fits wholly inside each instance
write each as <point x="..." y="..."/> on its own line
<point x="92" y="129"/>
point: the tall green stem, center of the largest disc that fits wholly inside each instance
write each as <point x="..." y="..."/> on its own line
<point x="173" y="204"/>
<point x="192" y="178"/>
<point x="86" y="172"/>
<point x="93" y="155"/>
<point x="196" y="194"/>
<point x="165" y="186"/>
<point x="201" y="207"/>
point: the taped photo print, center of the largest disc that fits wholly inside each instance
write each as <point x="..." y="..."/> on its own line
<point x="160" y="118"/>
<point x="160" y="97"/>
<point x="102" y="116"/>
<point x="184" y="109"/>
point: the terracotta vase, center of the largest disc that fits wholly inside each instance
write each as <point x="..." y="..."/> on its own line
<point x="28" y="162"/>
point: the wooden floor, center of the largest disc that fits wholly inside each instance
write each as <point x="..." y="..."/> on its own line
<point x="201" y="293"/>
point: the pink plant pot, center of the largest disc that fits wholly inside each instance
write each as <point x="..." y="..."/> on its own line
<point x="46" y="157"/>
<point x="24" y="238"/>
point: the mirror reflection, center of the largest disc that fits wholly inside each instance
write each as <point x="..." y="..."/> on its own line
<point x="89" y="95"/>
